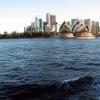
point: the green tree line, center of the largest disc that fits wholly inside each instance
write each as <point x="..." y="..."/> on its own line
<point x="17" y="35"/>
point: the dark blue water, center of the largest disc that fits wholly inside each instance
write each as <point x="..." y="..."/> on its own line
<point x="35" y="68"/>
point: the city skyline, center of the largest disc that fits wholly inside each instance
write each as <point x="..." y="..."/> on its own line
<point x="15" y="15"/>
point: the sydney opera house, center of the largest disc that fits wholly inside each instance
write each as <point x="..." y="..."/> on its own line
<point x="78" y="30"/>
<point x="66" y="30"/>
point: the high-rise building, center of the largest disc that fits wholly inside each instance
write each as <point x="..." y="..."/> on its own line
<point x="44" y="26"/>
<point x="51" y="23"/>
<point x="93" y="27"/>
<point x="88" y="23"/>
<point x="41" y="25"/>
<point x="37" y="24"/>
<point x="97" y="27"/>
<point x="73" y="21"/>
<point x="52" y="20"/>
<point x="48" y="19"/>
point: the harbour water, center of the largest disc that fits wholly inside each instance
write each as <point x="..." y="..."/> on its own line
<point x="50" y="69"/>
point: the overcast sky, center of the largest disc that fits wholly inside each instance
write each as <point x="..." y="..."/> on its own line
<point x="15" y="14"/>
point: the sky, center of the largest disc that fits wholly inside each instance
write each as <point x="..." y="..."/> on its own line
<point x="16" y="14"/>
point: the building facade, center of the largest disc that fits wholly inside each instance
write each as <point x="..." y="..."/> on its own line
<point x="41" y="25"/>
<point x="97" y="27"/>
<point x="73" y="21"/>
<point x="87" y="22"/>
<point x="37" y="24"/>
<point x="51" y="23"/>
<point x="48" y="19"/>
<point x="93" y="27"/>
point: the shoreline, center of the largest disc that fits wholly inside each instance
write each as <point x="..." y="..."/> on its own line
<point x="67" y="38"/>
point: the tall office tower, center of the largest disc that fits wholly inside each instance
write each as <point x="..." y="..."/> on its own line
<point x="97" y="27"/>
<point x="88" y="23"/>
<point x="53" y="23"/>
<point x="93" y="27"/>
<point x="41" y="25"/>
<point x="52" y="20"/>
<point x="44" y="26"/>
<point x="73" y="21"/>
<point x="48" y="19"/>
<point x="37" y="24"/>
<point x="33" y="26"/>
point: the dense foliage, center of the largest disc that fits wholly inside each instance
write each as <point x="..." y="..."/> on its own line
<point x="17" y="35"/>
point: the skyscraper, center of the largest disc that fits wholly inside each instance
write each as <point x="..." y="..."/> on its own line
<point x="44" y="26"/>
<point x="73" y="21"/>
<point x="93" y="27"/>
<point x="88" y="23"/>
<point x="52" y="20"/>
<point x="48" y="19"/>
<point x="97" y="27"/>
<point x="41" y="25"/>
<point x="37" y="24"/>
<point x="53" y="23"/>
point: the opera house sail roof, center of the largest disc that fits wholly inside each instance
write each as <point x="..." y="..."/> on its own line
<point x="64" y="28"/>
<point x="78" y="29"/>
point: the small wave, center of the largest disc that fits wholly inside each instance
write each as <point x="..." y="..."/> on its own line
<point x="55" y="64"/>
<point x="77" y="69"/>
<point x="94" y="64"/>
<point x="77" y="85"/>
